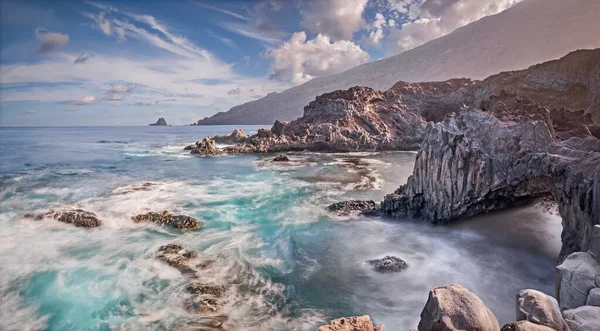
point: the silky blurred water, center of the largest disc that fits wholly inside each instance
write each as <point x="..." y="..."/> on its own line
<point x="286" y="262"/>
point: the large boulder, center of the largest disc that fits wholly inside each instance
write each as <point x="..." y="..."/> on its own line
<point x="576" y="276"/>
<point x="166" y="218"/>
<point x="78" y="217"/>
<point x="525" y="326"/>
<point x="206" y="147"/>
<point x="453" y="307"/>
<point x="585" y="318"/>
<point x="355" y="323"/>
<point x="539" y="308"/>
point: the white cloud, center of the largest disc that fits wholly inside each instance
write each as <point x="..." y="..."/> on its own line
<point x="113" y="97"/>
<point x="144" y="103"/>
<point x="88" y="100"/>
<point x="300" y="60"/>
<point x="51" y="41"/>
<point x="121" y="89"/>
<point x="337" y="19"/>
<point x="431" y="19"/>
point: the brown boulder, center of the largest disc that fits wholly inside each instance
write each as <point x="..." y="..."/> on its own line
<point x="78" y="217"/>
<point x="525" y="326"/>
<point x="453" y="307"/>
<point x="355" y="323"/>
<point x="166" y="218"/>
<point x="539" y="308"/>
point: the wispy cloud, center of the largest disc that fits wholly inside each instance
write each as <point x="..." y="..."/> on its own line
<point x="224" y="11"/>
<point x="224" y="40"/>
<point x="83" y="58"/>
<point x="88" y="100"/>
<point x="51" y="41"/>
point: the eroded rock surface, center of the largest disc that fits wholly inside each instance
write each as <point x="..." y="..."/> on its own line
<point x="166" y="218"/>
<point x="576" y="276"/>
<point x="525" y="326"/>
<point x="78" y="217"/>
<point x="585" y="318"/>
<point x="367" y="207"/>
<point x="355" y="323"/>
<point x="454" y="307"/>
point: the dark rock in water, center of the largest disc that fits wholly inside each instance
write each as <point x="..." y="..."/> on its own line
<point x="453" y="307"/>
<point x="281" y="158"/>
<point x="388" y="264"/>
<point x="78" y="217"/>
<point x="209" y="289"/>
<point x="165" y="218"/>
<point x="143" y="187"/>
<point x="366" y="207"/>
<point x="354" y="323"/>
<point x="177" y="257"/>
<point x="161" y="122"/>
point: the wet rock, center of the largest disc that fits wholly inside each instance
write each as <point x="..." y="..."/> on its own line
<point x="454" y="307"/>
<point x="144" y="187"/>
<point x="177" y="257"/>
<point x="575" y="277"/>
<point x="593" y="298"/>
<point x="355" y="323"/>
<point x="525" y="326"/>
<point x="209" y="289"/>
<point x="281" y="158"/>
<point x="238" y="136"/>
<point x="585" y="318"/>
<point x="367" y="207"/>
<point x="165" y="218"/>
<point x="78" y="217"/>
<point x="388" y="264"/>
<point x="539" y="308"/>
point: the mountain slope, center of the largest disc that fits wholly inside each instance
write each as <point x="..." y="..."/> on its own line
<point x="531" y="32"/>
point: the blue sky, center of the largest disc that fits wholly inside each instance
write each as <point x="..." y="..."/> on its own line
<point x="130" y="62"/>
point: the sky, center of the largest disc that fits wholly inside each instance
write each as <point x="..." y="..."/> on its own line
<point x="131" y="62"/>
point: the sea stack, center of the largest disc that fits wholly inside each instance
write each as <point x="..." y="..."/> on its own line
<point x="161" y="122"/>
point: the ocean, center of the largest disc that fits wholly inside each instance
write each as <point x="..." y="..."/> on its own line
<point x="286" y="263"/>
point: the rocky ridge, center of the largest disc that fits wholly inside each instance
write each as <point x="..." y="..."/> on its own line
<point x="361" y="118"/>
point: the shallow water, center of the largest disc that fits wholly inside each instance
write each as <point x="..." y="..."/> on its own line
<point x="286" y="262"/>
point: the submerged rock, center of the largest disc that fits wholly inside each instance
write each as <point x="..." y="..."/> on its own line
<point x="209" y="289"/>
<point x="177" y="257"/>
<point x="367" y="207"/>
<point x="144" y="187"/>
<point x="78" y="217"/>
<point x="388" y="264"/>
<point x="281" y="158"/>
<point x="454" y="307"/>
<point x="165" y="218"/>
<point x="539" y="308"/>
<point x="355" y="323"/>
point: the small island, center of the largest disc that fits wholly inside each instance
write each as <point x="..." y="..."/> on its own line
<point x="161" y="122"/>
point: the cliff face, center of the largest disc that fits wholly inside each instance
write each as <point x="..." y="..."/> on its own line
<point x="526" y="34"/>
<point x="474" y="162"/>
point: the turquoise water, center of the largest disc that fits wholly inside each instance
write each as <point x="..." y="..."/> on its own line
<point x="287" y="263"/>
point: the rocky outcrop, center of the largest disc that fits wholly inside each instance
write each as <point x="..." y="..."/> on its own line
<point x="585" y="318"/>
<point x="539" y="308"/>
<point x="177" y="257"/>
<point x="78" y="217"/>
<point x="388" y="264"/>
<point x="238" y="136"/>
<point x="281" y="158"/>
<point x="161" y="122"/>
<point x="166" y="218"/>
<point x="360" y="118"/>
<point x="474" y="162"/>
<point x="206" y="147"/>
<point x="577" y="275"/>
<point x="365" y="207"/>
<point x="355" y="323"/>
<point x="453" y="307"/>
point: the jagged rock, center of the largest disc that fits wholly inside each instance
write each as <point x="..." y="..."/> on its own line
<point x="78" y="217"/>
<point x="388" y="264"/>
<point x="368" y="207"/>
<point x="205" y="147"/>
<point x="165" y="218"/>
<point x="355" y="323"/>
<point x="473" y="163"/>
<point x="454" y="307"/>
<point x="177" y="257"/>
<point x="576" y="276"/>
<point x="281" y="158"/>
<point x="539" y="308"/>
<point x="143" y="187"/>
<point x="594" y="244"/>
<point x="161" y="122"/>
<point x="593" y="298"/>
<point x="238" y="136"/>
<point x="525" y="326"/>
<point x="209" y="289"/>
<point x="585" y="318"/>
